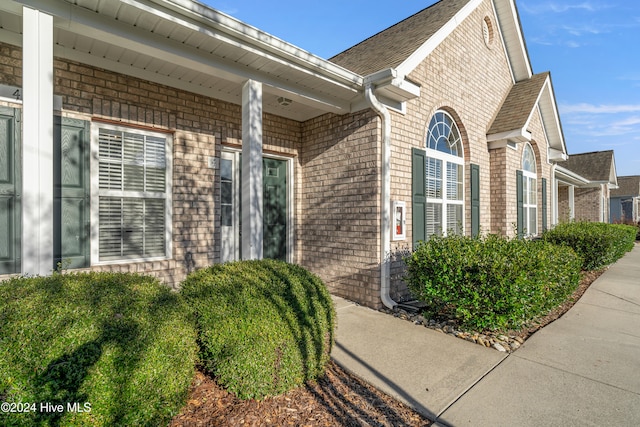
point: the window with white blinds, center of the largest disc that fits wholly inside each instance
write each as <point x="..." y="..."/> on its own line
<point x="133" y="194"/>
<point x="444" y="177"/>
<point x="530" y="191"/>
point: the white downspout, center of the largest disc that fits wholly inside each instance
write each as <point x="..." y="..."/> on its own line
<point x="385" y="196"/>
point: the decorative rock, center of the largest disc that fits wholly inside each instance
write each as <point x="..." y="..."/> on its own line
<point x="481" y="341"/>
<point x="499" y="347"/>
<point x="514" y="345"/>
<point x="519" y="340"/>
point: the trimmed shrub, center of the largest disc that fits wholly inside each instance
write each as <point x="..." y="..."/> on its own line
<point x="598" y="244"/>
<point x="264" y="327"/>
<point x="491" y="282"/>
<point x="123" y="344"/>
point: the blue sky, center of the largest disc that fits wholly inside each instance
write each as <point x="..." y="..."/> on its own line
<point x="591" y="47"/>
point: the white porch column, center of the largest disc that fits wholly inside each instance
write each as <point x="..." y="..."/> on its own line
<point x="37" y="151"/>
<point x="252" y="228"/>
<point x="572" y="208"/>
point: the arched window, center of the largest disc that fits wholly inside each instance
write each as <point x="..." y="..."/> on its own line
<point x="530" y="191"/>
<point x="444" y="177"/>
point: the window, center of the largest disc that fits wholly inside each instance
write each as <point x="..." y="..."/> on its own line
<point x="444" y="177"/>
<point x="133" y="193"/>
<point x="530" y="192"/>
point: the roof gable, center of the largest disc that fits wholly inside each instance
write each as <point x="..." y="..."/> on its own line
<point x="406" y="44"/>
<point x="393" y="46"/>
<point x="628" y="186"/>
<point x="598" y="166"/>
<point x="519" y="105"/>
<point x="524" y="99"/>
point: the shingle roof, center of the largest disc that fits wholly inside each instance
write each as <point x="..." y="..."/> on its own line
<point x="391" y="47"/>
<point x="595" y="166"/>
<point x="520" y="102"/>
<point x="628" y="186"/>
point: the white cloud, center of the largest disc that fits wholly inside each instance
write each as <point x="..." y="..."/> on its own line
<point x="583" y="29"/>
<point x="599" y="109"/>
<point x="561" y="7"/>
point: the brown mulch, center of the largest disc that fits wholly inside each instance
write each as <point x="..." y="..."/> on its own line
<point x="337" y="399"/>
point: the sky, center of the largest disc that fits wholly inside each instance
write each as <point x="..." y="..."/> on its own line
<point x="591" y="47"/>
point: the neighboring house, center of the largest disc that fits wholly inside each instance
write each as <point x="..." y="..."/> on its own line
<point x="625" y="200"/>
<point x="585" y="183"/>
<point x="179" y="137"/>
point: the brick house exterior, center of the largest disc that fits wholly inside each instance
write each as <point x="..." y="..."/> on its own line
<point x="586" y="194"/>
<point x="625" y="200"/>
<point x="199" y="139"/>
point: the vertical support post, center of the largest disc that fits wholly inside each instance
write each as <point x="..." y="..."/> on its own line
<point x="252" y="224"/>
<point x="572" y="207"/>
<point x="37" y="151"/>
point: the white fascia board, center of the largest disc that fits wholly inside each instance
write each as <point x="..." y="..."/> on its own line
<point x="204" y="15"/>
<point x="613" y="174"/>
<point x="504" y="45"/>
<point x="513" y="39"/>
<point x="429" y="46"/>
<point x="393" y="85"/>
<point x="516" y="135"/>
<point x="91" y="24"/>
<point x="557" y="155"/>
<point x="568" y="177"/>
<point x="552" y="124"/>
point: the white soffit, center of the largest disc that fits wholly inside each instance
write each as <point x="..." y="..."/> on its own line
<point x="147" y="40"/>
<point x="513" y="38"/>
<point x="551" y="118"/>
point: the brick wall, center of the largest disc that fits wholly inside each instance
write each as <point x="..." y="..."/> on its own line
<point x="589" y="204"/>
<point x="339" y="232"/>
<point x="470" y="81"/>
<point x="564" y="211"/>
<point x="201" y="126"/>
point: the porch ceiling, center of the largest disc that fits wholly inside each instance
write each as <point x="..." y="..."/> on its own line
<point x="186" y="45"/>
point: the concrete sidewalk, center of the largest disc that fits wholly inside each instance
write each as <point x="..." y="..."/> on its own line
<point x="583" y="369"/>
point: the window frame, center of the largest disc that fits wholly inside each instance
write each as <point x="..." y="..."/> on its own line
<point x="528" y="178"/>
<point x="445" y="159"/>
<point x="97" y="192"/>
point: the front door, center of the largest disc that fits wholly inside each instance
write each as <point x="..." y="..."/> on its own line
<point x="274" y="210"/>
<point x="71" y="193"/>
<point x="275" y="207"/>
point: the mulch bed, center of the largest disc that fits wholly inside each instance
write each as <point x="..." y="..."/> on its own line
<point x="337" y="399"/>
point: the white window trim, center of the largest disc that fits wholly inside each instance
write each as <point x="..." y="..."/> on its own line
<point x="96" y="192"/>
<point x="290" y="196"/>
<point x="444" y="201"/>
<point x="527" y="177"/>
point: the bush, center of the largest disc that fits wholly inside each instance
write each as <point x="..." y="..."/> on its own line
<point x="122" y="343"/>
<point x="598" y="244"/>
<point x="264" y="327"/>
<point x="492" y="282"/>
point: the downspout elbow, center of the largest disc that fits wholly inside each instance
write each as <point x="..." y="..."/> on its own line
<point x="385" y="196"/>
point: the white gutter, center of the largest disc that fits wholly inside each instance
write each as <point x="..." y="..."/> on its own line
<point x="385" y="195"/>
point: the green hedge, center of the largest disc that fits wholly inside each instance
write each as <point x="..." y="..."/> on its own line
<point x="264" y="327"/>
<point x="492" y="282"/>
<point x="122" y="343"/>
<point x="598" y="244"/>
